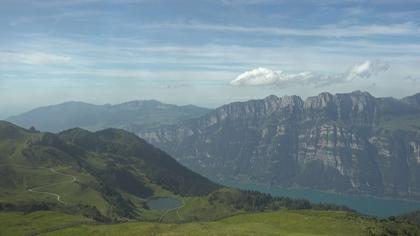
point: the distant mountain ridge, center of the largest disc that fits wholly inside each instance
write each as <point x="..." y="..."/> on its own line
<point x="351" y="143"/>
<point x="130" y="115"/>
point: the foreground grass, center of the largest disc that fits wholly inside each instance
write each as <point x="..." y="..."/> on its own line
<point x="271" y="223"/>
<point x="12" y="223"/>
<point x="274" y="223"/>
<point x="198" y="209"/>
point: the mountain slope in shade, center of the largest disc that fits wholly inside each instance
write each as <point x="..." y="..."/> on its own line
<point x="129" y="116"/>
<point x="351" y="143"/>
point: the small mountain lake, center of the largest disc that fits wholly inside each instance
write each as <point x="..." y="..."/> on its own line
<point x="163" y="203"/>
<point x="368" y="205"/>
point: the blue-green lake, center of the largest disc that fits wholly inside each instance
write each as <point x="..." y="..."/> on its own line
<point x="163" y="203"/>
<point x="381" y="207"/>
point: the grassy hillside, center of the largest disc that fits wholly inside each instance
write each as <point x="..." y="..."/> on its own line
<point x="112" y="170"/>
<point x="17" y="223"/>
<point x="412" y="217"/>
<point x="284" y="222"/>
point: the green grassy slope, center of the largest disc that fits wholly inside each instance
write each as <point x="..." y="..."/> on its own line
<point x="412" y="217"/>
<point x="112" y="170"/>
<point x="270" y="223"/>
<point x="16" y="223"/>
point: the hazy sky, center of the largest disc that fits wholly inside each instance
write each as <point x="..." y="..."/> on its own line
<point x="204" y="52"/>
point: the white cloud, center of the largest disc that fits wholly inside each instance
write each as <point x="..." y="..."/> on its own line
<point x="263" y="76"/>
<point x="32" y="58"/>
<point x="367" y="69"/>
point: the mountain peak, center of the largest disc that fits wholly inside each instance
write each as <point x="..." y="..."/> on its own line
<point x="322" y="100"/>
<point x="291" y="101"/>
<point x="142" y="102"/>
<point x="358" y="93"/>
<point x="413" y="100"/>
<point x="271" y="97"/>
<point x="9" y="130"/>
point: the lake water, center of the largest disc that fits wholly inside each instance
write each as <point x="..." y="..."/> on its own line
<point x="368" y="205"/>
<point x="163" y="203"/>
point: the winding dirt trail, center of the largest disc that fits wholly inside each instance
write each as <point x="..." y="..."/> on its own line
<point x="58" y="196"/>
<point x="34" y="189"/>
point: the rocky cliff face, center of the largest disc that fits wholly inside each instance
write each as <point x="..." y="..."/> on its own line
<point x="352" y="143"/>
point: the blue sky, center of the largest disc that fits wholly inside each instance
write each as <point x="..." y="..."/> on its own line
<point x="205" y="52"/>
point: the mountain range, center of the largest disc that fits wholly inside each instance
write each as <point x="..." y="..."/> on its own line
<point x="350" y="143"/>
<point x="131" y="116"/>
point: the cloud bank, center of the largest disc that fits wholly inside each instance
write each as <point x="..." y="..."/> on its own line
<point x="32" y="58"/>
<point x="324" y="31"/>
<point x="266" y="77"/>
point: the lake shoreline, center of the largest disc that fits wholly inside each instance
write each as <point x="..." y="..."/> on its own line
<point x="164" y="203"/>
<point x="365" y="204"/>
<point x="298" y="188"/>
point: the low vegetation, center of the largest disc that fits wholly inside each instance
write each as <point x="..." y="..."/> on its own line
<point x="247" y="200"/>
<point x="283" y="222"/>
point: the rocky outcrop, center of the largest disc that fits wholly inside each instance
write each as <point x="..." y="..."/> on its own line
<point x="352" y="143"/>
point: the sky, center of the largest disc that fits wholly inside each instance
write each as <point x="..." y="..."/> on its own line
<point x="203" y="52"/>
